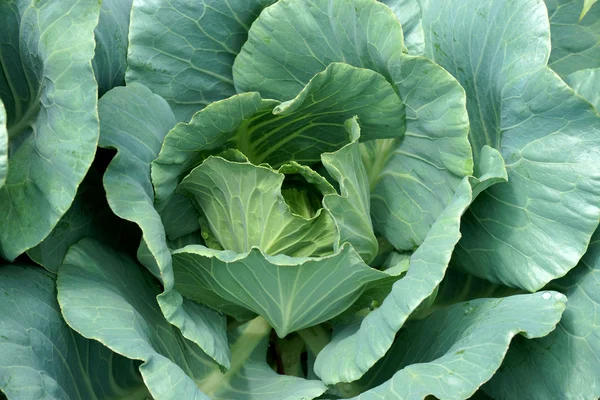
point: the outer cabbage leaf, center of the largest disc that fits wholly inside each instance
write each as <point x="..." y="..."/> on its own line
<point x="267" y="131"/>
<point x="586" y="83"/>
<point x="107" y="296"/>
<point x="408" y="13"/>
<point x="575" y="40"/>
<point x="413" y="179"/>
<point x="293" y="40"/>
<point x="184" y="51"/>
<point x="111" y="33"/>
<point x="548" y="136"/>
<point x="134" y="121"/>
<point x="42" y="358"/>
<point x="451" y="353"/>
<point x="354" y="347"/>
<point x="48" y="89"/>
<point x="565" y="362"/>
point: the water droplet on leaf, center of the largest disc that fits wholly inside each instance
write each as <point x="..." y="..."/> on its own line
<point x="547" y="296"/>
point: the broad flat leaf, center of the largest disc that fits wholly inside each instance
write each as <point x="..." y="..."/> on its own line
<point x="413" y="180"/>
<point x="244" y="209"/>
<point x="184" y="51"/>
<point x="111" y="33"/>
<point x="550" y="142"/>
<point x="291" y="293"/>
<point x="586" y="83"/>
<point x="293" y="40"/>
<point x="3" y="145"/>
<point x="408" y="13"/>
<point x="565" y="363"/>
<point x="451" y="353"/>
<point x="89" y="216"/>
<point x="47" y="86"/>
<point x="42" y="358"/>
<point x="299" y="129"/>
<point x="134" y="121"/>
<point x="107" y="296"/>
<point x="356" y="347"/>
<point x="351" y="208"/>
<point x="575" y="40"/>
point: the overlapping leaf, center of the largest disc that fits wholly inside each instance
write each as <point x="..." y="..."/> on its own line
<point x="294" y="39"/>
<point x="268" y="131"/>
<point x="350" y="209"/>
<point x="575" y="28"/>
<point x="184" y="51"/>
<point x="566" y="361"/>
<point x="412" y="179"/>
<point x="451" y="353"/>
<point x="42" y="358"/>
<point x="408" y="13"/>
<point x="110" y="60"/>
<point x="106" y="296"/>
<point x="48" y="89"/>
<point x="357" y="346"/>
<point x="89" y="216"/>
<point x="134" y="121"/>
<point x="548" y="136"/>
<point x="264" y="267"/>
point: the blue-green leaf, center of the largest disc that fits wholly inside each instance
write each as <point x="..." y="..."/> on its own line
<point x="565" y="363"/>
<point x="89" y="216"/>
<point x="111" y="33"/>
<point x="408" y="13"/>
<point x="413" y="179"/>
<point x="49" y="92"/>
<point x="184" y="51"/>
<point x="277" y="133"/>
<point x="351" y="208"/>
<point x="586" y="83"/>
<point x="42" y="358"/>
